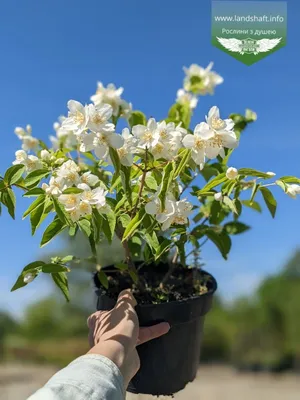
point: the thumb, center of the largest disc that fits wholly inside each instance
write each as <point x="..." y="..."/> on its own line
<point x="126" y="296"/>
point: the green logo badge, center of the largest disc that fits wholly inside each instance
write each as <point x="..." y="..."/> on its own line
<point x="249" y="30"/>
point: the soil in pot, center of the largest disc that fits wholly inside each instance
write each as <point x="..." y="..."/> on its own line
<point x="171" y="361"/>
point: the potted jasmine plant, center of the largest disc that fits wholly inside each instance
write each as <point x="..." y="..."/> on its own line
<point x="163" y="188"/>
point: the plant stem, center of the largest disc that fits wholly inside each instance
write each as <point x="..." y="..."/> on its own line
<point x="128" y="257"/>
<point x="141" y="186"/>
<point x="170" y="270"/>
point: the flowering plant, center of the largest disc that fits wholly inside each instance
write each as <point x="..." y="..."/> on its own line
<point x="158" y="186"/>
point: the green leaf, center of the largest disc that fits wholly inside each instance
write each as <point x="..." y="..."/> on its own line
<point x="166" y="181"/>
<point x="41" y="199"/>
<point x="255" y="188"/>
<point x="126" y="182"/>
<point x="43" y="145"/>
<point x="269" y="199"/>
<point x="67" y="259"/>
<point x="133" y="275"/>
<point x="115" y="159"/>
<point x="53" y="268"/>
<point x="253" y="172"/>
<point x="163" y="247"/>
<point x="33" y="267"/>
<point x="208" y="172"/>
<point x="85" y="227"/>
<point x="150" y="182"/>
<point x="221" y="240"/>
<point x="73" y="230"/>
<point x="122" y="266"/>
<point x="227" y="200"/>
<point x="213" y="183"/>
<point x="36" y="217"/>
<point x="236" y="227"/>
<point x="252" y="204"/>
<point x="14" y="173"/>
<point x="61" y="212"/>
<point x="97" y="222"/>
<point x="124" y="219"/>
<point x="34" y="192"/>
<point x="228" y="187"/>
<point x="137" y="118"/>
<point x="35" y="177"/>
<point x="180" y="113"/>
<point x="109" y="225"/>
<point x="56" y="227"/>
<point x="8" y="198"/>
<point x="133" y="225"/>
<point x="281" y="184"/>
<point x="72" y="190"/>
<point x="61" y="281"/>
<point x="152" y="240"/>
<point x="289" y="179"/>
<point x="103" y="279"/>
<point x="185" y="158"/>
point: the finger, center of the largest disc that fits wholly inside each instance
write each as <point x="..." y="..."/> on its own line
<point x="127" y="297"/>
<point x="153" y="332"/>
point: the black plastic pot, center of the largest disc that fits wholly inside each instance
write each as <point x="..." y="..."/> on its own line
<point x="171" y="361"/>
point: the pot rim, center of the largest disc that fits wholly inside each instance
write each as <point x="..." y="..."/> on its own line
<point x="101" y="292"/>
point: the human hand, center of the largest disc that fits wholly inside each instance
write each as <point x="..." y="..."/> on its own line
<point x="116" y="333"/>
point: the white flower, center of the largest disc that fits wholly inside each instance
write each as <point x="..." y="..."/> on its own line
<point x="77" y="118"/>
<point x="175" y="212"/>
<point x="218" y="196"/>
<point x="232" y="173"/>
<point x="70" y="201"/>
<point x="29" y="277"/>
<point x="198" y="142"/>
<point x="99" y="117"/>
<point x="21" y="156"/>
<point x="95" y="197"/>
<point x="111" y="95"/>
<point x="68" y="171"/>
<point x="29" y="143"/>
<point x="129" y="147"/>
<point x="56" y="186"/>
<point x="184" y="97"/>
<point x="101" y="142"/>
<point x="45" y="155"/>
<point x="292" y="190"/>
<point x="182" y="209"/>
<point x="147" y="136"/>
<point x="89" y="178"/>
<point x="201" y="80"/>
<point x="224" y="135"/>
<point x="31" y="163"/>
<point x="271" y="174"/>
<point x="82" y="209"/>
<point x="21" y="132"/>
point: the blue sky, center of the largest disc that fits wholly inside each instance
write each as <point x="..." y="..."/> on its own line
<point x="54" y="51"/>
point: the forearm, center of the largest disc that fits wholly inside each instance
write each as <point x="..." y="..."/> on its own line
<point x="92" y="377"/>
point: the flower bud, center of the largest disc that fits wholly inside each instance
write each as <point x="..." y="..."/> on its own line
<point x="271" y="174"/>
<point x="60" y="161"/>
<point x="56" y="126"/>
<point x="28" y="277"/>
<point x="29" y="129"/>
<point x="45" y="155"/>
<point x="218" y="196"/>
<point x="232" y="173"/>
